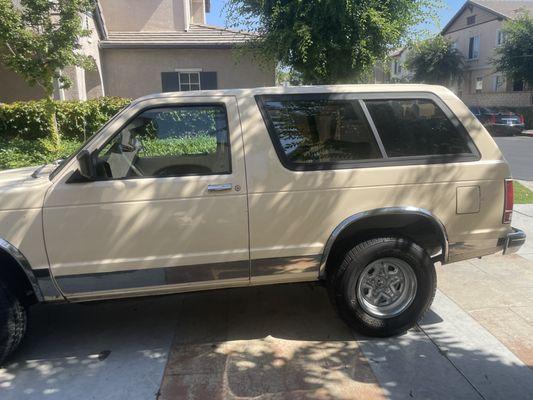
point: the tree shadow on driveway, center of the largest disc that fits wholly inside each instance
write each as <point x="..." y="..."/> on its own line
<point x="110" y="350"/>
<point x="267" y="342"/>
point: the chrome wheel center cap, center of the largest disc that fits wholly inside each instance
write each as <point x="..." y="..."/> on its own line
<point x="386" y="287"/>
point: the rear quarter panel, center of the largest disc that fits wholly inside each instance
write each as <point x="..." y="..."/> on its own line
<point x="293" y="213"/>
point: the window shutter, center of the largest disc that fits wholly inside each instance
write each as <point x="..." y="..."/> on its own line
<point x="169" y="81"/>
<point x="208" y="80"/>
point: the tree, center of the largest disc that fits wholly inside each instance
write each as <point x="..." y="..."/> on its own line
<point x="436" y="61"/>
<point x="328" y="41"/>
<point x="514" y="57"/>
<point x="287" y="76"/>
<point x="39" y="38"/>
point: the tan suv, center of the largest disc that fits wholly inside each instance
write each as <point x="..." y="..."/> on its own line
<point x="362" y="187"/>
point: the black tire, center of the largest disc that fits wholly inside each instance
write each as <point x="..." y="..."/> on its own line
<point x="343" y="283"/>
<point x="13" y="318"/>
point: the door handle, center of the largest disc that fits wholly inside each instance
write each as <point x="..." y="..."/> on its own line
<point x="219" y="188"/>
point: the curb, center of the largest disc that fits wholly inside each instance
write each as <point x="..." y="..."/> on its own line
<point x="528" y="184"/>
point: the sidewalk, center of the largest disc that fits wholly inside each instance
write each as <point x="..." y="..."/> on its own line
<point x="527" y="184"/>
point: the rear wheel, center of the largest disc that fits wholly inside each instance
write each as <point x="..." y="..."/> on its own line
<point x="13" y="316"/>
<point x="384" y="286"/>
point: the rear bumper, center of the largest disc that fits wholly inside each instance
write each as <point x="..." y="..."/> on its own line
<point x="505" y="129"/>
<point x="513" y="241"/>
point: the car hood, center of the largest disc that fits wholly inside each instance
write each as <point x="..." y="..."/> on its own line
<point x="19" y="189"/>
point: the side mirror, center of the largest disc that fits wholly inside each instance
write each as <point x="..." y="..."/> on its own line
<point x="86" y="165"/>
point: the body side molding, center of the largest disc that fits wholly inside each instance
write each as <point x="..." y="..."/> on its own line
<point x="25" y="265"/>
<point x="382" y="211"/>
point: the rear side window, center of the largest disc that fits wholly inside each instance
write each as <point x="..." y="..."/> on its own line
<point x="417" y="127"/>
<point x="310" y="133"/>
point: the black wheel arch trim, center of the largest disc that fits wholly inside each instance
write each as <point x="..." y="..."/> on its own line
<point x="23" y="263"/>
<point x="383" y="211"/>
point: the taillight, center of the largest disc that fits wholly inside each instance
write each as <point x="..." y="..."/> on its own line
<point x="509" y="202"/>
<point x="492" y="119"/>
<point x="522" y="119"/>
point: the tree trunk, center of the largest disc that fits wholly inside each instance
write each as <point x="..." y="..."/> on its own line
<point x="52" y="121"/>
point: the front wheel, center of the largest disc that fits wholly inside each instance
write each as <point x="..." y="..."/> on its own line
<point x="384" y="286"/>
<point x="13" y="318"/>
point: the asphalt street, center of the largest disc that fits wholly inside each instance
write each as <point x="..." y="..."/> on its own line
<point x="518" y="151"/>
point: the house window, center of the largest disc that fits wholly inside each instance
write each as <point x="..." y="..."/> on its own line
<point x="499" y="83"/>
<point x="471" y="20"/>
<point x="518" y="86"/>
<point x="473" y="48"/>
<point x="397" y="67"/>
<point x="188" y="81"/>
<point x="479" y="84"/>
<point x="500" y="37"/>
<point x="454" y="45"/>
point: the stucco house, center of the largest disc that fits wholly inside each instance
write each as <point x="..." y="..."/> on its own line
<point x="148" y="46"/>
<point x="476" y="31"/>
<point x="398" y="71"/>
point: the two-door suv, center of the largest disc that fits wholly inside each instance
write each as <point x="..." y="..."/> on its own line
<point x="363" y="187"/>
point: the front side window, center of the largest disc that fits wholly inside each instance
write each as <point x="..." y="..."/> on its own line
<point x="312" y="131"/>
<point x="170" y="141"/>
<point x="416" y="127"/>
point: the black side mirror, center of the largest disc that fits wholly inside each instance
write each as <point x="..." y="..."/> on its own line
<point x="86" y="166"/>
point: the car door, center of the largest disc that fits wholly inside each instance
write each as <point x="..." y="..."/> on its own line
<point x="167" y="211"/>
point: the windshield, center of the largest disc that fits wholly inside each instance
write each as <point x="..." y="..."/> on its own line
<point x="67" y="160"/>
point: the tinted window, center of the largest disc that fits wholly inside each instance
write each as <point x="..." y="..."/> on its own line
<point x="416" y="128"/>
<point x="188" y="140"/>
<point x="320" y="131"/>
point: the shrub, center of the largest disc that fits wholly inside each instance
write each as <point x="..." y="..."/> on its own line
<point x="77" y="120"/>
<point x="17" y="152"/>
<point x="202" y="144"/>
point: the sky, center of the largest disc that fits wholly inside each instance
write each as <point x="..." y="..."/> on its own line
<point x="216" y="16"/>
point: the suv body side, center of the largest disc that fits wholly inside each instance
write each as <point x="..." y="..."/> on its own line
<point x="131" y="237"/>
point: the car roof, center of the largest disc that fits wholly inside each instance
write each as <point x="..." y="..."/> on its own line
<point x="441" y="91"/>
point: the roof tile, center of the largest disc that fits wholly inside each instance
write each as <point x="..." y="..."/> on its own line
<point x="198" y="36"/>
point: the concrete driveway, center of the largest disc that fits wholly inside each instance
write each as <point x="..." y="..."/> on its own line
<point x="286" y="342"/>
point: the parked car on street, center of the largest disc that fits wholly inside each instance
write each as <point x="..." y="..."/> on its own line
<point x="500" y="122"/>
<point x="363" y="188"/>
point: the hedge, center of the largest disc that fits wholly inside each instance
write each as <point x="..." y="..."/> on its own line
<point x="77" y="120"/>
<point x="18" y="153"/>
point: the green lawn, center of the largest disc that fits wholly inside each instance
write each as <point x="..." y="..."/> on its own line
<point x="522" y="195"/>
